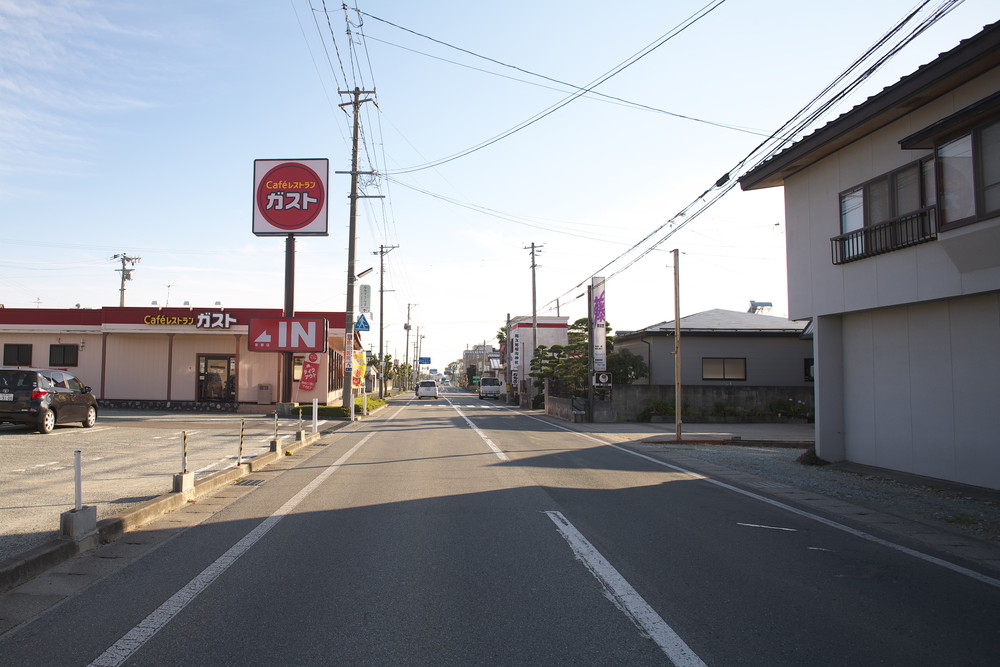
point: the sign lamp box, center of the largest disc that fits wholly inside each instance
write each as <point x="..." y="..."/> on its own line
<point x="286" y="334"/>
<point x="290" y="197"/>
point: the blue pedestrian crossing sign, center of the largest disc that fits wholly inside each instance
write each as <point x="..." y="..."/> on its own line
<point x="362" y="324"/>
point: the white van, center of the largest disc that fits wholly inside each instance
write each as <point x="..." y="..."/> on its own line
<point x="490" y="388"/>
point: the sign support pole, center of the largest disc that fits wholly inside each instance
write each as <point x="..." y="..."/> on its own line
<point x="289" y="311"/>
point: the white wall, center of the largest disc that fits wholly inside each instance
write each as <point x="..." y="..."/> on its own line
<point x="921" y="389"/>
<point x="954" y="265"/>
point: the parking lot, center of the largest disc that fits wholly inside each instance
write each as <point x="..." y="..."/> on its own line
<point x="128" y="457"/>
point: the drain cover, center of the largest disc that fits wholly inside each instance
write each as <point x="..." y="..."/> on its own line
<point x="248" y="482"/>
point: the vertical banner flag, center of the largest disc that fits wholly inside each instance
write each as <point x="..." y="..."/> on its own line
<point x="310" y="372"/>
<point x="599" y="334"/>
<point x="358" y="369"/>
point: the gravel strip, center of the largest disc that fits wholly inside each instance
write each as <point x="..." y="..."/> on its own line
<point x="950" y="509"/>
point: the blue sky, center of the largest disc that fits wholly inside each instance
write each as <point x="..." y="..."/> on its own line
<point x="133" y="126"/>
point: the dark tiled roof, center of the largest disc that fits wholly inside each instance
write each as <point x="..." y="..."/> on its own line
<point x="951" y="69"/>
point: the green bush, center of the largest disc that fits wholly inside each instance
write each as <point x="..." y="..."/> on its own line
<point x="337" y="411"/>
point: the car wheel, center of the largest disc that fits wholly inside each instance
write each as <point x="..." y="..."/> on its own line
<point x="91" y="417"/>
<point x="46" y="421"/>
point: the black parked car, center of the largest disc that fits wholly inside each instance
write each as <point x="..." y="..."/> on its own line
<point x="43" y="397"/>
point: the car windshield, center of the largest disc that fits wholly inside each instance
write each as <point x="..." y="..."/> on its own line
<point x="490" y="382"/>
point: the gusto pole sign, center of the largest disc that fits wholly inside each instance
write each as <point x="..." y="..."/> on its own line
<point x="290" y="197"/>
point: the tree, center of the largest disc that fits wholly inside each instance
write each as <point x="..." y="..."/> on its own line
<point x="626" y="367"/>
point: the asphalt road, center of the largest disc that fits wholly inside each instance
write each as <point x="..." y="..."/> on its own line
<point x="126" y="458"/>
<point x="453" y="531"/>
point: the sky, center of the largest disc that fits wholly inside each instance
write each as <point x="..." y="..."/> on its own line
<point x="131" y="127"/>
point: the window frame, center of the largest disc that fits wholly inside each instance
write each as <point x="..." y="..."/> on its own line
<point x="12" y="354"/>
<point x="890" y="178"/>
<point x="725" y="368"/>
<point x="61" y="360"/>
<point x="979" y="213"/>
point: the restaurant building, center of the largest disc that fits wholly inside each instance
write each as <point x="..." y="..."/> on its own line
<point x="171" y="358"/>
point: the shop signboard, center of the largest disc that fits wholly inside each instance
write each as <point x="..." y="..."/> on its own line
<point x="290" y="197"/>
<point x="286" y="334"/>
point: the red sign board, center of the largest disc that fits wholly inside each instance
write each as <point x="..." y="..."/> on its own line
<point x="286" y="334"/>
<point x="290" y="197"/>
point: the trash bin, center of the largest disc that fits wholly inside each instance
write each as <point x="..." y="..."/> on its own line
<point x="264" y="394"/>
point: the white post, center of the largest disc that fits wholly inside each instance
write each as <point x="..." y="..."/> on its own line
<point x="79" y="480"/>
<point x="315" y="415"/>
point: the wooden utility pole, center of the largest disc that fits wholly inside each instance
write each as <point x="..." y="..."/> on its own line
<point x="126" y="273"/>
<point x="348" y="395"/>
<point x="382" y="252"/>
<point x="677" y="345"/>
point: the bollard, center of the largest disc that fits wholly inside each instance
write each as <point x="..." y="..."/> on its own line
<point x="275" y="425"/>
<point x="184" y="480"/>
<point x="239" y="456"/>
<point x="79" y="523"/>
<point x="79" y="480"/>
<point x="300" y="417"/>
<point x="315" y="415"/>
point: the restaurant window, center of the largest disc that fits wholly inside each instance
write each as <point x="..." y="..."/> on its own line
<point x="64" y="355"/>
<point x="717" y="368"/>
<point x="17" y="354"/>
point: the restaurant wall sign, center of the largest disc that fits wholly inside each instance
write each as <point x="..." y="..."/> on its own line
<point x="206" y="320"/>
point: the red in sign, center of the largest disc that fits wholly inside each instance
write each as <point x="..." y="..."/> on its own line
<point x="286" y="334"/>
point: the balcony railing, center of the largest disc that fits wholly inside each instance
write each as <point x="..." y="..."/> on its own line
<point x="903" y="232"/>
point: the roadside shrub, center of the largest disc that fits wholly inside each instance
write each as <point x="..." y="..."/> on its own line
<point x="338" y="411"/>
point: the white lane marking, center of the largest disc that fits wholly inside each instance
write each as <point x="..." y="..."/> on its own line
<point x="927" y="558"/>
<point x="625" y="597"/>
<point x="819" y="549"/>
<point x="757" y="525"/>
<point x="137" y="637"/>
<point x="489" y="443"/>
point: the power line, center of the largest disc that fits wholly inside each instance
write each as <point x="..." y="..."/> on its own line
<point x="681" y="27"/>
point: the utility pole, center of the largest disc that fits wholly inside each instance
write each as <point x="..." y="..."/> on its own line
<point x="126" y="273"/>
<point x="348" y="396"/>
<point x="382" y="252"/>
<point x="535" y="250"/>
<point x="677" y="345"/>
<point x="407" y="327"/>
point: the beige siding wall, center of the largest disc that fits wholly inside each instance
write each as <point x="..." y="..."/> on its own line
<point x="136" y="366"/>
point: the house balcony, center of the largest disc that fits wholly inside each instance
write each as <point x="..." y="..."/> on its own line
<point x="905" y="231"/>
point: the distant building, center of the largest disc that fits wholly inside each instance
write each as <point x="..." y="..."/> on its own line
<point x="725" y="347"/>
<point x="893" y="245"/>
<point x="520" y="350"/>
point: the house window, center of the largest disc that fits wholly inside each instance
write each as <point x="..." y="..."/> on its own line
<point x="887" y="197"/>
<point x="809" y="369"/>
<point x="64" y="355"/>
<point x="968" y="176"/>
<point x="717" y="368"/>
<point x="887" y="213"/>
<point x="17" y="354"/>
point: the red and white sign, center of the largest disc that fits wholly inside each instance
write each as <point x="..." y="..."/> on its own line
<point x="286" y="334"/>
<point x="310" y="372"/>
<point x="290" y="197"/>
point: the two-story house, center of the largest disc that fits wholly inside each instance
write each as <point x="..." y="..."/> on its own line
<point x="893" y="245"/>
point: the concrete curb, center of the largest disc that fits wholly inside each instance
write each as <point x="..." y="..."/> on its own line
<point x="24" y="567"/>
